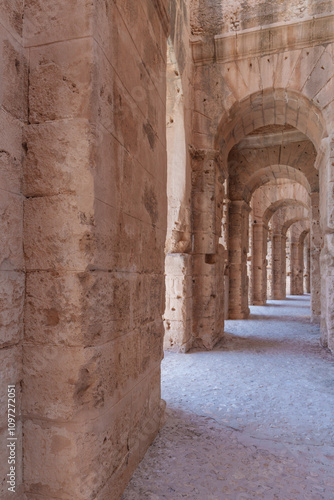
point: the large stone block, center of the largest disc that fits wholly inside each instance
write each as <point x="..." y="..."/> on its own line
<point x="11" y="214"/>
<point x="135" y="120"/>
<point x="152" y="244"/>
<point x="118" y="239"/>
<point x="13" y="88"/>
<point x="58" y="159"/>
<point x="12" y="290"/>
<point x="11" y="153"/>
<point x="66" y="383"/>
<point x="11" y="14"/>
<point x="304" y="66"/>
<point x="54" y="446"/>
<point x="178" y="309"/>
<point x="53" y="375"/>
<point x="320" y="75"/>
<point x="151" y="344"/>
<point x="49" y="21"/>
<point x="61" y="308"/>
<point x="61" y="81"/>
<point x="178" y="336"/>
<point x="58" y="233"/>
<point x="144" y="83"/>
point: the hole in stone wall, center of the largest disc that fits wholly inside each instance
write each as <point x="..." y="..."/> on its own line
<point x="210" y="258"/>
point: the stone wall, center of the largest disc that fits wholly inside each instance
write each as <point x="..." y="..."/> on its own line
<point x="13" y="116"/>
<point x="95" y="228"/>
<point x="215" y="16"/>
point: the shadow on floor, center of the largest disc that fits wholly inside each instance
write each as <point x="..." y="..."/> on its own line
<point x="295" y="306"/>
<point x="232" y="342"/>
<point x="285" y="319"/>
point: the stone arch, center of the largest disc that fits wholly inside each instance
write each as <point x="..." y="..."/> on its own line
<point x="264" y="112"/>
<point x="274" y="107"/>
<point x="287" y="224"/>
<point x="271" y="173"/>
<point x="280" y="204"/>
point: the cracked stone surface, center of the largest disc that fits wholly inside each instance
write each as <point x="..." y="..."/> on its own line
<point x="251" y="419"/>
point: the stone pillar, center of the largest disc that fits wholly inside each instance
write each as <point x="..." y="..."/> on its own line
<point x="270" y="267"/>
<point x="208" y="255"/>
<point x="177" y="318"/>
<point x="307" y="265"/>
<point x="279" y="267"/>
<point x="224" y="241"/>
<point x="315" y="249"/>
<point x="300" y="269"/>
<point x="326" y="174"/>
<point x="259" y="263"/>
<point x="238" y="249"/>
<point x="13" y="117"/>
<point x="294" y="268"/>
<point x="95" y="178"/>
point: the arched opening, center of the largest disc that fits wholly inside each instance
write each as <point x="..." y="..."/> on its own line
<point x="262" y="150"/>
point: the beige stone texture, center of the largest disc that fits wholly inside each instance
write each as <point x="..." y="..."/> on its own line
<point x="95" y="228"/>
<point x="163" y="165"/>
<point x="13" y="113"/>
<point x="60" y="80"/>
<point x="178" y="310"/>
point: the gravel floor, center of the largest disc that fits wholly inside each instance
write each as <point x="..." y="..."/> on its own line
<point x="253" y="418"/>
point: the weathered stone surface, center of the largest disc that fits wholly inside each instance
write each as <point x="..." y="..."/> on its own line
<point x="58" y="159"/>
<point x="46" y="22"/>
<point x="60" y="81"/>
<point x="14" y="87"/>
<point x="54" y="240"/>
<point x="11" y="211"/>
<point x="12" y="292"/>
<point x="137" y="192"/>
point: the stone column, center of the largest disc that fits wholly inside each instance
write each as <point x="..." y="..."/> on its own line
<point x="238" y="248"/>
<point x="307" y="265"/>
<point x="13" y="117"/>
<point x="270" y="267"/>
<point x="208" y="255"/>
<point x="300" y="269"/>
<point x="326" y="174"/>
<point x="94" y="229"/>
<point x="315" y="249"/>
<point x="177" y="317"/>
<point x="279" y="267"/>
<point x="294" y="268"/>
<point x="259" y="263"/>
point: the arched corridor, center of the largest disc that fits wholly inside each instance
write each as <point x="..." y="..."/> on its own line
<point x="251" y="419"/>
<point x="166" y="173"/>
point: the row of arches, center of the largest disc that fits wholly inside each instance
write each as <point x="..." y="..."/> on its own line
<point x="256" y="229"/>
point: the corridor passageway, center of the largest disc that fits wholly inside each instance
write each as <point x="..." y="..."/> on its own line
<point x="251" y="419"/>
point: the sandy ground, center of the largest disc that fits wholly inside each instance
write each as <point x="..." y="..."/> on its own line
<point x="253" y="418"/>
